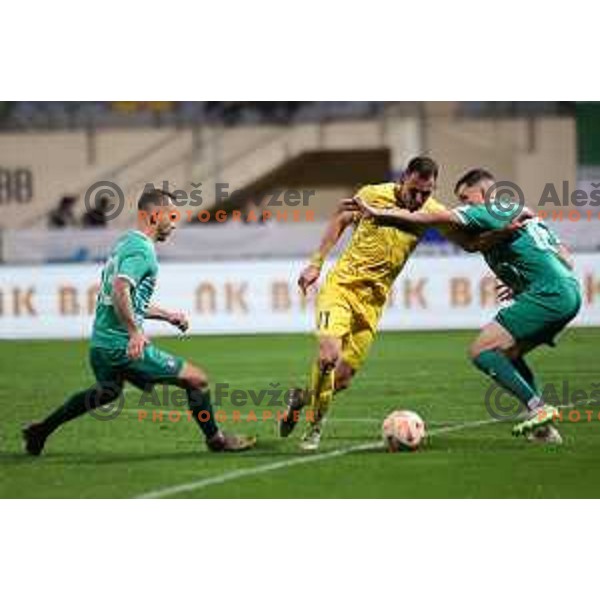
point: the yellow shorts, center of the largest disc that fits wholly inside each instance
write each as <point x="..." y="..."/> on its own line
<point x="341" y="314"/>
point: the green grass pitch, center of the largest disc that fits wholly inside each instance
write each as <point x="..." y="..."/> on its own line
<point x="426" y="372"/>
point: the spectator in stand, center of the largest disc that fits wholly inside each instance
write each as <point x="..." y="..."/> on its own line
<point x="63" y="215"/>
<point x="96" y="217"/>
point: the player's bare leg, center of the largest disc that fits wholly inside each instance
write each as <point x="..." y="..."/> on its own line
<point x="321" y="385"/>
<point x="498" y="355"/>
<point x="195" y="382"/>
<point x="329" y="374"/>
<point x="333" y="376"/>
<point x="342" y="376"/>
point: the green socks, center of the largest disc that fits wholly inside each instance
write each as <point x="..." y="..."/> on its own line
<point x="79" y="404"/>
<point x="202" y="410"/>
<point x="497" y="366"/>
<point x="527" y="374"/>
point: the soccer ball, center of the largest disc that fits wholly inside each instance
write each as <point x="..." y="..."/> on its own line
<point x="403" y="430"/>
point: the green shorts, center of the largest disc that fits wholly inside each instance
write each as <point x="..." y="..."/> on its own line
<point x="538" y="316"/>
<point x="112" y="366"/>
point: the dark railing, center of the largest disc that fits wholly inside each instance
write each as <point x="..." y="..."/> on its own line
<point x="506" y="109"/>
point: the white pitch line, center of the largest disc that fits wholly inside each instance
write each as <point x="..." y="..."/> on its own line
<point x="200" y="484"/>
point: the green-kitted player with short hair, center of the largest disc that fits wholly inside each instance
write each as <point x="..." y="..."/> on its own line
<point x="119" y="349"/>
<point x="534" y="269"/>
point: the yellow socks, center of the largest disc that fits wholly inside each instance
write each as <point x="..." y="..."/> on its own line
<point x="321" y="392"/>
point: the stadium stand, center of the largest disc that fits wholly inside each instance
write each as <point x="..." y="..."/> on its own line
<point x="52" y="153"/>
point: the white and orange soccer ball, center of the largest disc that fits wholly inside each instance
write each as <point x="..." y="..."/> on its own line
<point x="403" y="430"/>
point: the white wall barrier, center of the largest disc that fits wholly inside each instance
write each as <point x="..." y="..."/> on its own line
<point x="227" y="241"/>
<point x="57" y="301"/>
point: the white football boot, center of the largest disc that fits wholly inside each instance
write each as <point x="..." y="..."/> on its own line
<point x="312" y="437"/>
<point x="535" y="419"/>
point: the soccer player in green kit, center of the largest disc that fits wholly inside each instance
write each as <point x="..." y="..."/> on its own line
<point x="119" y="349"/>
<point x="536" y="271"/>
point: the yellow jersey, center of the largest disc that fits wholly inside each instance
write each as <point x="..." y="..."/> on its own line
<point x="376" y="255"/>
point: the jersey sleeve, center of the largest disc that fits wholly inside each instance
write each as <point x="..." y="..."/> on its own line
<point x="373" y="196"/>
<point x="477" y="218"/>
<point x="552" y="236"/>
<point x="363" y="192"/>
<point x="432" y="206"/>
<point x="133" y="267"/>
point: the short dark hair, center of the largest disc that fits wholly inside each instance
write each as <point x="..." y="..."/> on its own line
<point x="153" y="198"/>
<point x="424" y="166"/>
<point x="473" y="177"/>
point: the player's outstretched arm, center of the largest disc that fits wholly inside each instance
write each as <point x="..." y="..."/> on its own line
<point x="337" y="224"/>
<point x="481" y="242"/>
<point x="447" y="221"/>
<point x="486" y="240"/>
<point x="176" y="318"/>
<point x="400" y="217"/>
<point x="453" y="228"/>
<point x="124" y="309"/>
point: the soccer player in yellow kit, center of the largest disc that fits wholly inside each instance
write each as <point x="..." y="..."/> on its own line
<point x="351" y="301"/>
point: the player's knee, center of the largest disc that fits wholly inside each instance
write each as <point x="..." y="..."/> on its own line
<point x="342" y="382"/>
<point x="343" y="377"/>
<point x="493" y="338"/>
<point x="513" y="353"/>
<point x="195" y="378"/>
<point x="327" y="360"/>
<point x="329" y="354"/>
<point x="474" y="351"/>
<point x="479" y="346"/>
<point x="477" y="349"/>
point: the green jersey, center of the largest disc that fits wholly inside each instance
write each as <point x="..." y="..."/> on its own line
<point x="528" y="261"/>
<point x="133" y="258"/>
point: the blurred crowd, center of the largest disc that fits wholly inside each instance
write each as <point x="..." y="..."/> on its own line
<point x="64" y="214"/>
<point x="74" y="115"/>
<point x="24" y="115"/>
